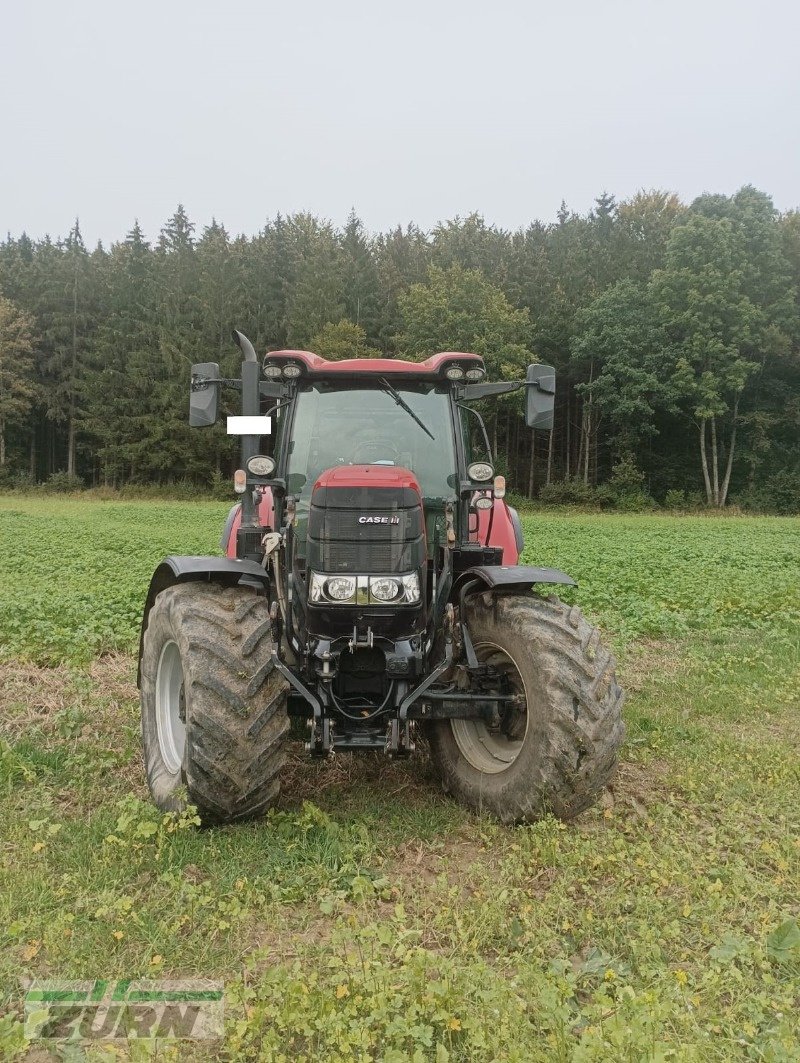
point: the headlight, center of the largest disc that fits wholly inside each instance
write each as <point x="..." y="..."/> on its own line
<point x="261" y="465"/>
<point x="384" y="589"/>
<point x="454" y="372"/>
<point x="341" y="588"/>
<point x="272" y="371"/>
<point x="364" y="590"/>
<point x="473" y="375"/>
<point x="480" y="470"/>
<point x="291" y="371"/>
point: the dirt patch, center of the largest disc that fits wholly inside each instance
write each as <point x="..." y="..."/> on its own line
<point x="781" y="728"/>
<point x="280" y="942"/>
<point x="114" y="676"/>
<point x="649" y="657"/>
<point x="32" y="696"/>
<point x="417" y="864"/>
<point x="643" y="784"/>
<point x="632" y="793"/>
<point x="304" y="779"/>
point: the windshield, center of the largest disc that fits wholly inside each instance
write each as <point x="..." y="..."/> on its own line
<point x="366" y="425"/>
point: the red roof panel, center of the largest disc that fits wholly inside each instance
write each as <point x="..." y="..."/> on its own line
<point x="316" y="366"/>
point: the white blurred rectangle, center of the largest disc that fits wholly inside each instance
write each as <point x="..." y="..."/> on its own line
<point x="249" y="426"/>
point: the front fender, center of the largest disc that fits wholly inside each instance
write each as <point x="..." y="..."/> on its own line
<point x="509" y="578"/>
<point x="182" y="568"/>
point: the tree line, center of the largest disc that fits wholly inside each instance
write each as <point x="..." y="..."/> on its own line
<point x="674" y="329"/>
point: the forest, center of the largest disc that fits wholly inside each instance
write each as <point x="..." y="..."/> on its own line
<point x="674" y="329"/>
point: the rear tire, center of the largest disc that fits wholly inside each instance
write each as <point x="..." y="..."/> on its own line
<point x="214" y="719"/>
<point x="562" y="749"/>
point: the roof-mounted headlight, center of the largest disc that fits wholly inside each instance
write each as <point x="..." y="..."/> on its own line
<point x="474" y="375"/>
<point x="272" y="371"/>
<point x="454" y="372"/>
<point x="292" y="371"/>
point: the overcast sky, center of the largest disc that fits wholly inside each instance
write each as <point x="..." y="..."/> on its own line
<point x="406" y="111"/>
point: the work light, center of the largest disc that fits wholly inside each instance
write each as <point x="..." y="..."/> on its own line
<point x="261" y="465"/>
<point x="480" y="470"/>
<point x="474" y="375"/>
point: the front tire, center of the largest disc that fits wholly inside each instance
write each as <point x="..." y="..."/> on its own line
<point x="214" y="719"/>
<point x="558" y="749"/>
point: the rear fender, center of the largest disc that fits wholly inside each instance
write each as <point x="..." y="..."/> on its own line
<point x="182" y="569"/>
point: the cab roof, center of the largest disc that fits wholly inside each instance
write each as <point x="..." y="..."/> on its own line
<point x="315" y="366"/>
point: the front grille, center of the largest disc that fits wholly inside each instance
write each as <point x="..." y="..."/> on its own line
<point x="345" y="533"/>
<point x="364" y="556"/>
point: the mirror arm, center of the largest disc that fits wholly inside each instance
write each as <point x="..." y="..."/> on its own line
<point x="469" y="392"/>
<point x="546" y="389"/>
<point x="200" y="383"/>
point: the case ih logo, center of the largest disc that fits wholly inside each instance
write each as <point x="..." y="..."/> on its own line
<point x="378" y="520"/>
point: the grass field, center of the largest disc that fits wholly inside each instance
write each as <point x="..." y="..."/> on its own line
<point x="371" y="918"/>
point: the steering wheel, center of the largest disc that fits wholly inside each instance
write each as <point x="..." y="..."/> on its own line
<point x="369" y="451"/>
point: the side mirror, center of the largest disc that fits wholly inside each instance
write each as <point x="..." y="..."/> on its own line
<point x="204" y="395"/>
<point x="540" y="397"/>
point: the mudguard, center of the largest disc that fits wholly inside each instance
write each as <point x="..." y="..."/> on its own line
<point x="181" y="569"/>
<point x="506" y="578"/>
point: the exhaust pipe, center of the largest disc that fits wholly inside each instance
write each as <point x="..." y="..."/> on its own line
<point x="245" y="346"/>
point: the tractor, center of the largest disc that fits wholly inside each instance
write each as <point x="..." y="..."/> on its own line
<point x="370" y="595"/>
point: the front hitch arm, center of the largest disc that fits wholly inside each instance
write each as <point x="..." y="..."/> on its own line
<point x="428" y="681"/>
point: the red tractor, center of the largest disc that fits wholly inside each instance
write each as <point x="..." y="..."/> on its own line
<point x="371" y="593"/>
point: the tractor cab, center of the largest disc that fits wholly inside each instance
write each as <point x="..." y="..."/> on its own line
<point x="342" y="423"/>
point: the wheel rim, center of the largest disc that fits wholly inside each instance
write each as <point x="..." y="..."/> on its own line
<point x="489" y="751"/>
<point x="170" y="710"/>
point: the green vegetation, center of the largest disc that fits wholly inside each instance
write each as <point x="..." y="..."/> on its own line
<point x="674" y="330"/>
<point x="370" y="917"/>
<point x="86" y="570"/>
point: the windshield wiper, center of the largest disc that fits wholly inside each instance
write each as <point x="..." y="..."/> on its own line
<point x="401" y="402"/>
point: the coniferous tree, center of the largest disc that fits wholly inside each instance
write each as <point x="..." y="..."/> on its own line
<point x="634" y="303"/>
<point x="17" y="385"/>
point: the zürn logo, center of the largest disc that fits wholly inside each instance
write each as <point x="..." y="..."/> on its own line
<point x="124" y="1010"/>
